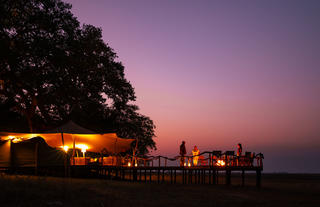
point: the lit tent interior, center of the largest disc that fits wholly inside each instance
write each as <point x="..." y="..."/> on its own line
<point x="19" y="148"/>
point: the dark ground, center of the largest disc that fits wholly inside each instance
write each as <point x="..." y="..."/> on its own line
<point x="277" y="190"/>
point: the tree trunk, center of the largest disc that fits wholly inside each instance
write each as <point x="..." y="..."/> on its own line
<point x="29" y="123"/>
<point x="30" y="113"/>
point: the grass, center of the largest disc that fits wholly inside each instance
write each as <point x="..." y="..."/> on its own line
<point x="278" y="190"/>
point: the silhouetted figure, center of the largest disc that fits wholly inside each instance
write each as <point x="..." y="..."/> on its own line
<point x="239" y="150"/>
<point x="183" y="152"/>
<point x="195" y="154"/>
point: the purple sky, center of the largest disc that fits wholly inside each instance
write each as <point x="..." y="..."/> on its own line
<point x="215" y="73"/>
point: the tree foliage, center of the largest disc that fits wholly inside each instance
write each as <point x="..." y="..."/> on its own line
<point x="53" y="69"/>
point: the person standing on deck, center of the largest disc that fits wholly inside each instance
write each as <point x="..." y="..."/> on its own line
<point x="195" y="154"/>
<point x="239" y="152"/>
<point x="183" y="152"/>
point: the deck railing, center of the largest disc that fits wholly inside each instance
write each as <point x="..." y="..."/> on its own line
<point x="211" y="159"/>
<point x="205" y="159"/>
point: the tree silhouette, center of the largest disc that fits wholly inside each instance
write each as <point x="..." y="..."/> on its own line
<point x="53" y="69"/>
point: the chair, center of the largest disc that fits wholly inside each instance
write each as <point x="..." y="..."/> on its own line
<point x="216" y="155"/>
<point x="229" y="158"/>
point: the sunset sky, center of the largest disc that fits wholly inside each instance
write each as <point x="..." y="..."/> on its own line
<point x="216" y="73"/>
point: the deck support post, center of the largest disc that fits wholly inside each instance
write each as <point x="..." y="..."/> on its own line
<point x="258" y="178"/>
<point x="163" y="175"/>
<point x="242" y="178"/>
<point x="195" y="176"/>
<point x="186" y="176"/>
<point x="150" y="175"/>
<point x="203" y="176"/>
<point x="214" y="177"/>
<point x="228" y="177"/>
<point x="116" y="173"/>
<point x="134" y="175"/>
<point x="217" y="177"/>
<point x="123" y="174"/>
<point x="145" y="175"/>
<point x="182" y="176"/>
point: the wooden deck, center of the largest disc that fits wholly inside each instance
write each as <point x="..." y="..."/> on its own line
<point x="155" y="168"/>
<point x="169" y="174"/>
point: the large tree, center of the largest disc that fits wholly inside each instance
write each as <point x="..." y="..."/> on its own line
<point x="52" y="69"/>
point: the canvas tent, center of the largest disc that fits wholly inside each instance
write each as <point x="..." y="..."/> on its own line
<point x="71" y="134"/>
<point x="68" y="136"/>
<point x="29" y="153"/>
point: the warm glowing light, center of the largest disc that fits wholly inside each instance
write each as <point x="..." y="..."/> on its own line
<point x="189" y="164"/>
<point x="220" y="163"/>
<point x="15" y="139"/>
<point x="65" y="148"/>
<point x="83" y="147"/>
<point x="136" y="165"/>
<point x="185" y="164"/>
<point x="129" y="164"/>
<point x="93" y="159"/>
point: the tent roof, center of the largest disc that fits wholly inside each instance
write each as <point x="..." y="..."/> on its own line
<point x="94" y="142"/>
<point x="71" y="128"/>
